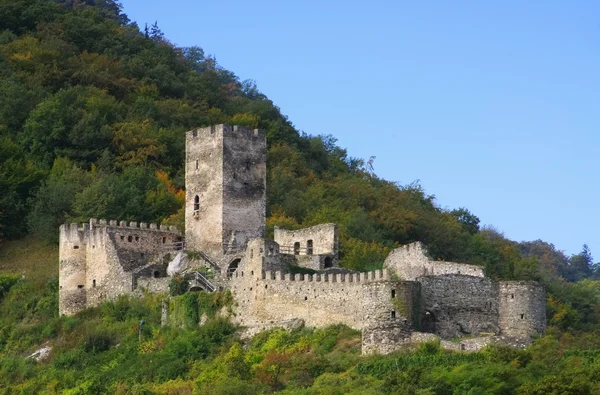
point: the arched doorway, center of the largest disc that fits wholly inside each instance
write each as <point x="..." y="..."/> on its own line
<point x="233" y="267"/>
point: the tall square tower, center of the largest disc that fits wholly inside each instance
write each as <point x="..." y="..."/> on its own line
<point x="225" y="180"/>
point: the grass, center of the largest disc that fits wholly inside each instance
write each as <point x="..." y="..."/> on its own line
<point x="29" y="257"/>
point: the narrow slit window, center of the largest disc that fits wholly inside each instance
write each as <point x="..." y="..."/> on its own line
<point x="196" y="203"/>
<point x="296" y="248"/>
<point x="94" y="283"/>
<point x="196" y="164"/>
<point x="393" y="315"/>
<point x="309" y="247"/>
<point x="393" y="293"/>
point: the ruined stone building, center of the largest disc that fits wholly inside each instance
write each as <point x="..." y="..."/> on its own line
<point x="293" y="278"/>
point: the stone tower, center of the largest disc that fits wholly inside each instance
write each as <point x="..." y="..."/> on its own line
<point x="72" y="268"/>
<point x="225" y="179"/>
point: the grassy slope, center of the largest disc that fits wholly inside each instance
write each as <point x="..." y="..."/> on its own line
<point x="29" y="257"/>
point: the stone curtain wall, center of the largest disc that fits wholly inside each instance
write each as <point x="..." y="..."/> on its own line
<point x="265" y="298"/>
<point x="457" y="305"/>
<point x="412" y="261"/>
<point x="522" y="308"/>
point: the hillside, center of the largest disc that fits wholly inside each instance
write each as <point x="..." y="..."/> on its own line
<point x="93" y="112"/>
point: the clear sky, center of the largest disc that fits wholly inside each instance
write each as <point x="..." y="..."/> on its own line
<point x="492" y="105"/>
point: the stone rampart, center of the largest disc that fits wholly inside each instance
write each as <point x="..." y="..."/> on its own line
<point x="320" y="299"/>
<point x="457" y="305"/>
<point x="412" y="261"/>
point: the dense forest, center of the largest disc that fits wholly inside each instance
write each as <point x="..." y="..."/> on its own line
<point x="93" y="111"/>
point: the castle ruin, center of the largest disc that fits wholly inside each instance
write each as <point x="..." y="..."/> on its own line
<point x="413" y="298"/>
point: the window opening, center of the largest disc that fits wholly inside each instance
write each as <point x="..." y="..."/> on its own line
<point x="309" y="247"/>
<point x="393" y="315"/>
<point x="75" y="247"/>
<point x="130" y="238"/>
<point x="137" y="238"/>
<point x="296" y="248"/>
<point x="94" y="283"/>
<point x="328" y="262"/>
<point x="393" y="293"/>
<point x="156" y="274"/>
<point x="196" y="203"/>
<point x="196" y="164"/>
<point x="80" y="286"/>
<point x="164" y="240"/>
<point x="233" y="267"/>
<point x="522" y="316"/>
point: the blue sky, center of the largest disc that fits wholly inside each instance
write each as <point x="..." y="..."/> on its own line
<point x="493" y="106"/>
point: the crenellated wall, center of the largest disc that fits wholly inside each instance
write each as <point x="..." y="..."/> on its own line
<point x="98" y="260"/>
<point x="319" y="299"/>
<point x="412" y="261"/>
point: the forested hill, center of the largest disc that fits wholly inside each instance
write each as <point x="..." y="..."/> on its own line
<point x="93" y="112"/>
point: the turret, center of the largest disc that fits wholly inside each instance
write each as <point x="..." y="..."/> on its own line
<point x="72" y="268"/>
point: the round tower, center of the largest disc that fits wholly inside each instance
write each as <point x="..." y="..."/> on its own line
<point x="522" y="308"/>
<point x="72" y="268"/>
<point x="390" y="313"/>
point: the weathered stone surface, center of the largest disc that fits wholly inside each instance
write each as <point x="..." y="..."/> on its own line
<point x="314" y="248"/>
<point x="103" y="261"/>
<point x="225" y="188"/>
<point x="456" y="305"/>
<point x="412" y="261"/>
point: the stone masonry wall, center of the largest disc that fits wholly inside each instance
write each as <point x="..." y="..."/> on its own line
<point x="204" y="179"/>
<point x="321" y="299"/>
<point x="325" y="244"/>
<point x="226" y="171"/>
<point x="388" y="310"/>
<point x="457" y="305"/>
<point x="244" y="186"/>
<point x="107" y="254"/>
<point x="72" y="268"/>
<point x="522" y="308"/>
<point x="412" y="261"/>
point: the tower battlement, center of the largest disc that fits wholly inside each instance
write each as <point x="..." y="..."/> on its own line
<point x="224" y="130"/>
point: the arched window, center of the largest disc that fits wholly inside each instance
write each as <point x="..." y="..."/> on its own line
<point x="233" y="267"/>
<point x="196" y="203"/>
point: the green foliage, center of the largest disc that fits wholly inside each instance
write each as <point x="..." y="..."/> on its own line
<point x="177" y="286"/>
